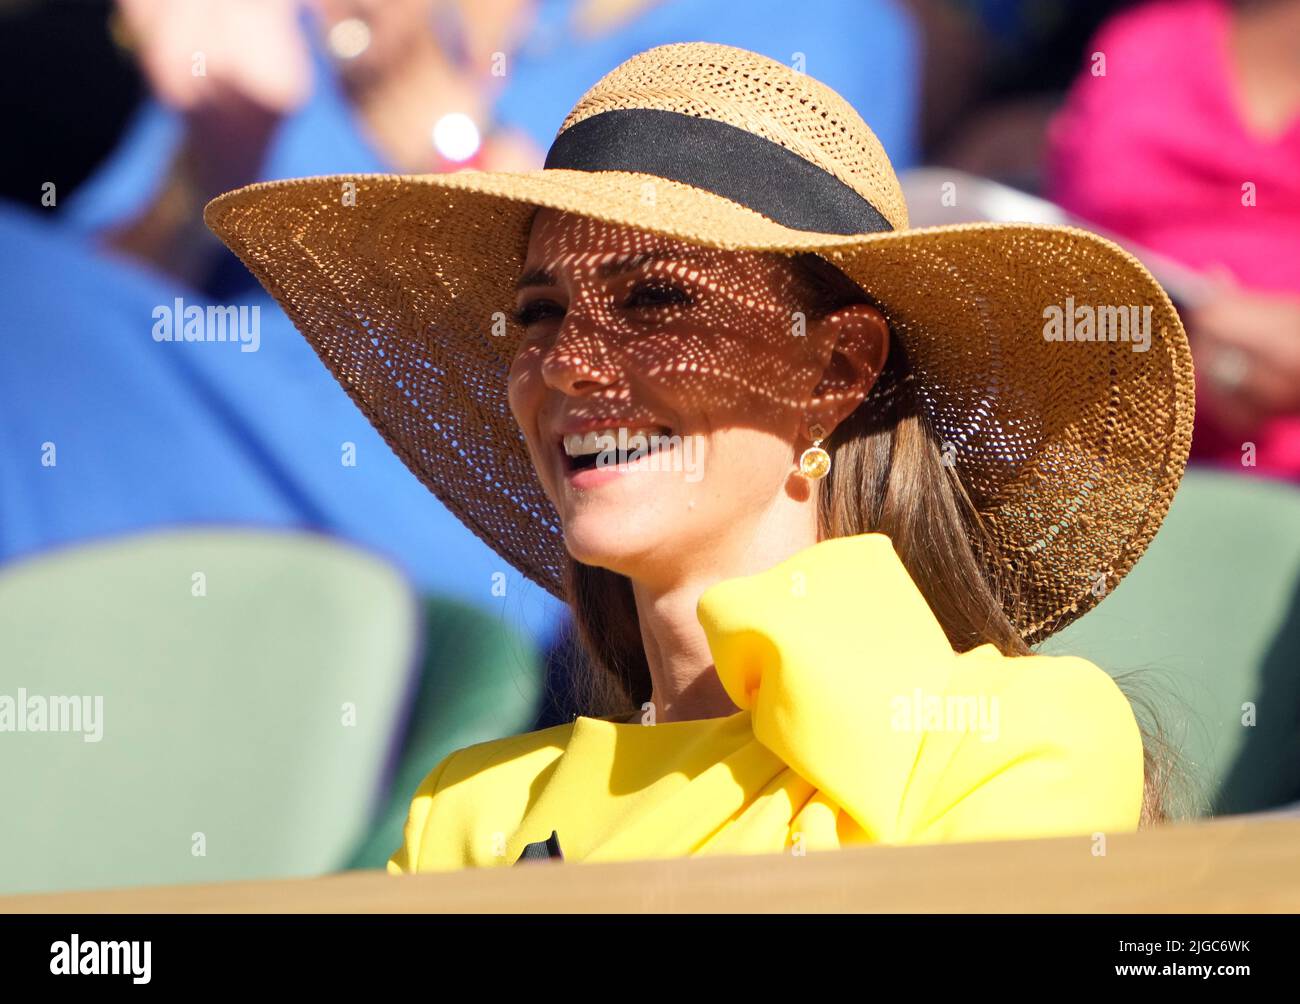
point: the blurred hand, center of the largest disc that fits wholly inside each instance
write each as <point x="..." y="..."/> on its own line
<point x="233" y="68"/>
<point x="1247" y="352"/>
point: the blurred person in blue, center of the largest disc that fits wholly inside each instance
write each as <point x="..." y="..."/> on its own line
<point x="250" y="90"/>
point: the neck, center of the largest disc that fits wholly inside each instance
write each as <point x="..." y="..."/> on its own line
<point x="684" y="683"/>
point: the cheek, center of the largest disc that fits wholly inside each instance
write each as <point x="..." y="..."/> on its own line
<point x="757" y="380"/>
<point x="523" y="380"/>
<point x="525" y="394"/>
<point x="743" y="468"/>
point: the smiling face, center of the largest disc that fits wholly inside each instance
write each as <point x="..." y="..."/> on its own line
<point x="665" y="390"/>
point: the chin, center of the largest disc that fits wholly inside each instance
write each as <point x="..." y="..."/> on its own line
<point x="620" y="534"/>
<point x="596" y="549"/>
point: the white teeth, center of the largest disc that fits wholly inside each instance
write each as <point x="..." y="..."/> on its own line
<point x="600" y="440"/>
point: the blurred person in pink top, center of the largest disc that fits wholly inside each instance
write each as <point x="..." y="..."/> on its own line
<point x="1183" y="134"/>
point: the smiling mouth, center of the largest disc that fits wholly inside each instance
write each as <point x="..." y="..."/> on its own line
<point x="612" y="446"/>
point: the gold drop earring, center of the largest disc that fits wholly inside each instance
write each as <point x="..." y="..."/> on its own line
<point x="814" y="462"/>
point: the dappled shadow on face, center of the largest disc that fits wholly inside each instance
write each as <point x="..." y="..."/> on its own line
<point x="609" y="310"/>
<point x="637" y="329"/>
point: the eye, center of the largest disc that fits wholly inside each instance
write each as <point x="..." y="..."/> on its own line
<point x="537" y="310"/>
<point x="656" y="293"/>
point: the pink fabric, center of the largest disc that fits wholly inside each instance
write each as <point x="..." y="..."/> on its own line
<point x="1157" y="151"/>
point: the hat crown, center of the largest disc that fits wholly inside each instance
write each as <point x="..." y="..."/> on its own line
<point x="763" y="97"/>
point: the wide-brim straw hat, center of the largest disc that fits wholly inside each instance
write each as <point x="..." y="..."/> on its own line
<point x="1071" y="449"/>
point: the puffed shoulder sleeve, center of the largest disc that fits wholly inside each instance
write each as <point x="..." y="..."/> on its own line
<point x="852" y="682"/>
<point x="1049" y="747"/>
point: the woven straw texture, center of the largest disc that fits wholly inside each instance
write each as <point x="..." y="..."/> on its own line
<point x="404" y="286"/>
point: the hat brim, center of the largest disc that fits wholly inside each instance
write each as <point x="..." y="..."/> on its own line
<point x="1071" y="450"/>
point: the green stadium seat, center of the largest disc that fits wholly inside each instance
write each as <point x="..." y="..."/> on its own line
<point x="1206" y="629"/>
<point x="250" y="687"/>
<point x="479" y="680"/>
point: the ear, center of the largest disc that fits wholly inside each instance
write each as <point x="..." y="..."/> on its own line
<point x="858" y="338"/>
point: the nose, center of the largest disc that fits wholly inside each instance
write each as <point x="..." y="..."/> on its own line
<point x="578" y="361"/>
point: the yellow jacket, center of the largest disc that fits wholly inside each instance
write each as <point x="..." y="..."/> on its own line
<point x="858" y="725"/>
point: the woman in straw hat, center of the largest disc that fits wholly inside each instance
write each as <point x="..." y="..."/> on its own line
<point x="812" y="482"/>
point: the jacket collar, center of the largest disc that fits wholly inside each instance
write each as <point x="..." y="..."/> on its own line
<point x="840" y="596"/>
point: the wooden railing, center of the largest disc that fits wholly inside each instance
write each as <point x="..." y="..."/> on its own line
<point x="1229" y="865"/>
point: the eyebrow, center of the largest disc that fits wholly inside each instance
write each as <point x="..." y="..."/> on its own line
<point x="535" y="277"/>
<point x="543" y="277"/>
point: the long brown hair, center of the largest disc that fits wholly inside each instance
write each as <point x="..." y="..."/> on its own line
<point x="889" y="476"/>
